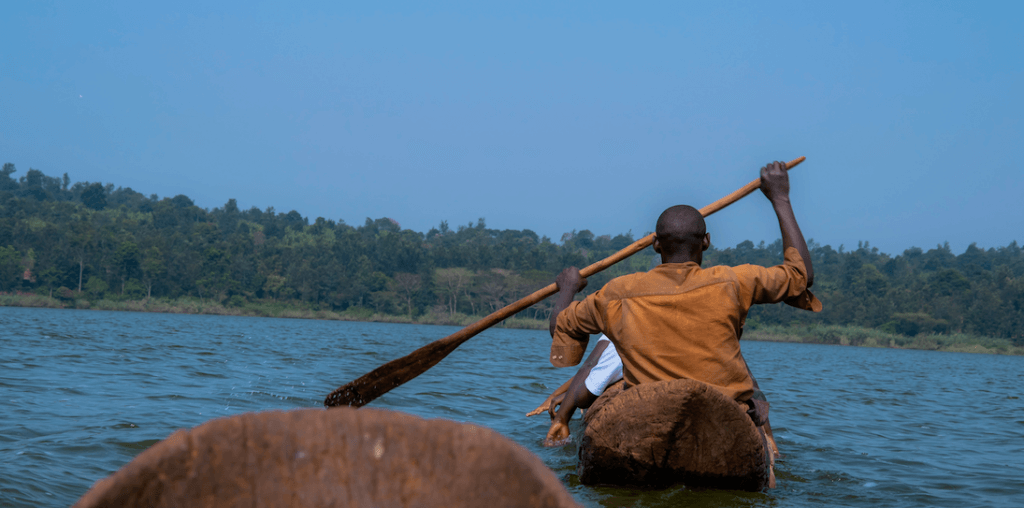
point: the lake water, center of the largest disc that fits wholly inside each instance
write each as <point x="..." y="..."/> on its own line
<point x="83" y="392"/>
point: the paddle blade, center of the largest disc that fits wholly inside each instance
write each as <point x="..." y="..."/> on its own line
<point x="393" y="374"/>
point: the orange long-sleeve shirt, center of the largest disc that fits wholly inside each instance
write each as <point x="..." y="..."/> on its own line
<point x="681" y="321"/>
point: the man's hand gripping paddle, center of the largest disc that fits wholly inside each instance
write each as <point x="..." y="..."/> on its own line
<point x="395" y="373"/>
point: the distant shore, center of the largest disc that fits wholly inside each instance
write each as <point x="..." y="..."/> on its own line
<point x="190" y="305"/>
<point x="803" y="334"/>
<point x="870" y="337"/>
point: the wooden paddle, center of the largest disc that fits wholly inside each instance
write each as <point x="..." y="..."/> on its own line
<point x="395" y="373"/>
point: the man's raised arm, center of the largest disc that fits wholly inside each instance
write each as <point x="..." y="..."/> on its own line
<point x="569" y="283"/>
<point x="775" y="186"/>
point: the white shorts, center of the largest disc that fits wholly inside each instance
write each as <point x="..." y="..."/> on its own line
<point x="607" y="371"/>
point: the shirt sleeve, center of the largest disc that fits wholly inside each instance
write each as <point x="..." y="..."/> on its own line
<point x="781" y="283"/>
<point x="573" y="328"/>
<point x="607" y="371"/>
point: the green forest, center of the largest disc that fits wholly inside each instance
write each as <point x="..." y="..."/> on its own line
<point x="86" y="243"/>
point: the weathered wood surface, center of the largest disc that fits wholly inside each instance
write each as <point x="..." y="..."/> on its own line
<point x="342" y="457"/>
<point x="679" y="431"/>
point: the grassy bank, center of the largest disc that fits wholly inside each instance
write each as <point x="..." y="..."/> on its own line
<point x="189" y="305"/>
<point x="806" y="334"/>
<point x="871" y="337"/>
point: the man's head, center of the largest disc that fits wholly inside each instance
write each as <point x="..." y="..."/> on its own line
<point x="681" y="235"/>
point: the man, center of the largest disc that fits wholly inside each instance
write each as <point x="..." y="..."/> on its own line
<point x="679" y="320"/>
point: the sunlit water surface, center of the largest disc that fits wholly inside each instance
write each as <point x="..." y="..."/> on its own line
<point x="83" y="392"/>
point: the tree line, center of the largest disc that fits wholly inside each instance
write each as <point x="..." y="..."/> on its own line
<point x="94" y="241"/>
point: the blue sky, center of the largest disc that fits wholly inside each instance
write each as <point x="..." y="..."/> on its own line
<point x="544" y="116"/>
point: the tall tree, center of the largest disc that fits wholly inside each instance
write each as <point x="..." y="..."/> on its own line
<point x="126" y="261"/>
<point x="6" y="182"/>
<point x="407" y="285"/>
<point x="81" y="241"/>
<point x="95" y="197"/>
<point x="153" y="268"/>
<point x="10" y="269"/>
<point x="450" y="282"/>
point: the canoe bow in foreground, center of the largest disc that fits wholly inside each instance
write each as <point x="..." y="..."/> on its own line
<point x="342" y="457"/>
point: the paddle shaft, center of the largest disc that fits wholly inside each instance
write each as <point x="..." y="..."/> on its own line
<point x="397" y="372"/>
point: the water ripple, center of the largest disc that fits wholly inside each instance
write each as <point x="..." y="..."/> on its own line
<point x="83" y="392"/>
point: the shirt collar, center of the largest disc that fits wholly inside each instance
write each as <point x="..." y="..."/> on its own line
<point x="687" y="266"/>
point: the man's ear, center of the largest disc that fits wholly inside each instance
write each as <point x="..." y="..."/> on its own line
<point x="707" y="242"/>
<point x="656" y="245"/>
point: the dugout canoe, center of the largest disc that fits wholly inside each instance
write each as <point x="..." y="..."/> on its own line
<point x="335" y="457"/>
<point x="669" y="432"/>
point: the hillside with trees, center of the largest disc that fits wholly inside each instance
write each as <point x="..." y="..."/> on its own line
<point x="90" y="242"/>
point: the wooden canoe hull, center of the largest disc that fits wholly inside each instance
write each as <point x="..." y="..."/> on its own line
<point x="679" y="431"/>
<point x="336" y="457"/>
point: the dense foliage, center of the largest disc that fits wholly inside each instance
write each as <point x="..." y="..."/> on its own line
<point x="93" y="241"/>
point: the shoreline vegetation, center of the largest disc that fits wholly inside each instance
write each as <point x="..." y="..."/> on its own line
<point x="192" y="305"/>
<point x="839" y="335"/>
<point x="93" y="245"/>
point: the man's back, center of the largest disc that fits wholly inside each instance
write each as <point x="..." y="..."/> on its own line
<point x="679" y="321"/>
